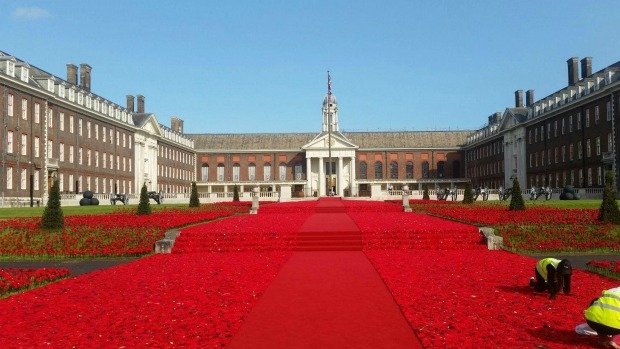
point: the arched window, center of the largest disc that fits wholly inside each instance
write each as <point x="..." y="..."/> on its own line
<point x="363" y="170"/>
<point x="251" y="172"/>
<point x="394" y="170"/>
<point x="267" y="172"/>
<point x="378" y="170"/>
<point x="298" y="171"/>
<point x="205" y="172"/>
<point x="440" y="169"/>
<point x="220" y="172"/>
<point x="236" y="169"/>
<point x="409" y="169"/>
<point x="425" y="169"/>
<point x="282" y="171"/>
<point x="456" y="169"/>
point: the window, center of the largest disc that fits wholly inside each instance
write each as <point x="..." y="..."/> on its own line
<point x="599" y="175"/>
<point x="598" y="145"/>
<point x="409" y="169"/>
<point x="394" y="170"/>
<point x="88" y="129"/>
<point x="608" y="111"/>
<point x="587" y="117"/>
<point x="71" y="154"/>
<point x="71" y="123"/>
<point x="61" y="152"/>
<point x="117" y="138"/>
<point x="9" y="139"/>
<point x="36" y="147"/>
<point x="610" y="143"/>
<point x="88" y="158"/>
<point x="97" y="131"/>
<point x="10" y="108"/>
<point x="579" y="121"/>
<point x="549" y="131"/>
<point x="563" y="126"/>
<point x="425" y="169"/>
<point x="22" y="179"/>
<point x="555" y="154"/>
<point x="252" y="172"/>
<point x="579" y="150"/>
<point x="97" y="159"/>
<point x="282" y="171"/>
<point x="596" y="115"/>
<point x="9" y="178"/>
<point x="24" y="109"/>
<point x="37" y="174"/>
<point x="378" y="170"/>
<point x="589" y="176"/>
<point x="588" y="148"/>
<point x="104" y="160"/>
<point x="570" y="152"/>
<point x="363" y="170"/>
<point x="298" y="171"/>
<point x="563" y="153"/>
<point x="542" y="132"/>
<point x="61" y="121"/>
<point x="236" y="169"/>
<point x="267" y="172"/>
<point x="555" y="128"/>
<point x="50" y="148"/>
<point x="440" y="169"/>
<point x="23" y="149"/>
<point x="37" y="113"/>
<point x="570" y="123"/>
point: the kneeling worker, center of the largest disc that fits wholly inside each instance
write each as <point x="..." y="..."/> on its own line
<point x="603" y="316"/>
<point x="552" y="274"/>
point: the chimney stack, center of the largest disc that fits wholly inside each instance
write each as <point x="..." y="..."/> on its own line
<point x="529" y="98"/>
<point x="130" y="103"/>
<point x="518" y="98"/>
<point x="573" y="70"/>
<point x="140" y="104"/>
<point x="85" y="76"/>
<point x="586" y="67"/>
<point x="72" y="72"/>
<point x="176" y="124"/>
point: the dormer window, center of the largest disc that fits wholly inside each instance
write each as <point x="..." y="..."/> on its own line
<point x="10" y="68"/>
<point x="24" y="74"/>
<point x="88" y="102"/>
<point x="72" y="95"/>
<point x="80" y="98"/>
<point x="104" y="108"/>
<point x="50" y="85"/>
<point x="96" y="105"/>
<point x="124" y="116"/>
<point x="61" y="90"/>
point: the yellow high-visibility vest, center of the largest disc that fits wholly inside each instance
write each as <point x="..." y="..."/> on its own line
<point x="606" y="309"/>
<point x="541" y="266"/>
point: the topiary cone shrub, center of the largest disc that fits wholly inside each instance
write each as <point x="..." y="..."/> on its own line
<point x="53" y="218"/>
<point x="468" y="196"/>
<point x="235" y="194"/>
<point x="193" y="198"/>
<point x="608" y="211"/>
<point x="425" y="195"/>
<point x="516" y="202"/>
<point x="144" y="207"/>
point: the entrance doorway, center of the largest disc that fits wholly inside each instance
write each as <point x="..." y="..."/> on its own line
<point x="330" y="186"/>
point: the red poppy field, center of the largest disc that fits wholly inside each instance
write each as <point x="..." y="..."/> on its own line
<point x="452" y="290"/>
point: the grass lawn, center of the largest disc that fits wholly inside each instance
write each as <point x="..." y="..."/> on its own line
<point x="15" y="212"/>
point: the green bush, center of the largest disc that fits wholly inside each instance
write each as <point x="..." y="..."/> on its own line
<point x="608" y="211"/>
<point x="236" y="194"/>
<point x="144" y="207"/>
<point x="193" y="198"/>
<point x="53" y="218"/>
<point x="516" y="201"/>
<point x="468" y="196"/>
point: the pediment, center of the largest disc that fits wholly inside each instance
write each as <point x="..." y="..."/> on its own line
<point x="150" y="124"/>
<point x="338" y="141"/>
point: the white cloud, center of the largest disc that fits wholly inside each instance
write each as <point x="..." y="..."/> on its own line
<point x="30" y="13"/>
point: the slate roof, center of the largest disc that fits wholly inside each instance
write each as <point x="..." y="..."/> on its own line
<point x="294" y="141"/>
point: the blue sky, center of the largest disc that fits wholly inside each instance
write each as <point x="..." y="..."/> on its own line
<point x="261" y="66"/>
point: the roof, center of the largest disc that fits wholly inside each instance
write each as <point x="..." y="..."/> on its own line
<point x="294" y="141"/>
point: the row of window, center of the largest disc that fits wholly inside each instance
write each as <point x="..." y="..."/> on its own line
<point x="90" y="160"/>
<point x="69" y="183"/>
<point x="23" y="178"/>
<point x="490" y="149"/>
<point x="561" y="179"/>
<point x="490" y="169"/>
<point x="174" y="155"/>
<point x="566" y="125"/>
<point x="252" y="172"/>
<point x="562" y="158"/>
<point x="174" y="173"/>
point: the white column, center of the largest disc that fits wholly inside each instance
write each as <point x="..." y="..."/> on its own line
<point x="352" y="177"/>
<point x="321" y="181"/>
<point x="339" y="187"/>
<point x="309" y="177"/>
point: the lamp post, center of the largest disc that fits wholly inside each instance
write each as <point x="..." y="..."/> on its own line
<point x="31" y="185"/>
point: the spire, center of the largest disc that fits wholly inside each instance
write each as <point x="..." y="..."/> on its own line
<point x="330" y="108"/>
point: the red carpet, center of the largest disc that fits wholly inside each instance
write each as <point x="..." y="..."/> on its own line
<point x="326" y="300"/>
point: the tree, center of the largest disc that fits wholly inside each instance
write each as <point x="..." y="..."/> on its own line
<point x="425" y="195"/>
<point x="144" y="207"/>
<point x="193" y="198"/>
<point x="468" y="196"/>
<point x="516" y="202"/>
<point x="609" y="207"/>
<point x="53" y="218"/>
<point x="235" y="194"/>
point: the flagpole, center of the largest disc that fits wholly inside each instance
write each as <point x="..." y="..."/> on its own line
<point x="329" y="128"/>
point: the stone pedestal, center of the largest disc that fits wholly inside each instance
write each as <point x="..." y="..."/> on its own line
<point x="406" y="207"/>
<point x="493" y="242"/>
<point x="166" y="244"/>
<point x="254" y="209"/>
